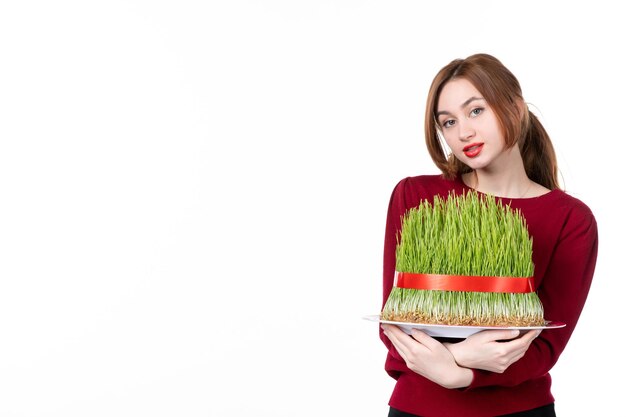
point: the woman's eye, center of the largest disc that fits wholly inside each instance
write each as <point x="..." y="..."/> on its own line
<point x="448" y="123"/>
<point x="476" y="111"/>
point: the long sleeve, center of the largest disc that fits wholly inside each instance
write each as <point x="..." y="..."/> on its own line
<point x="397" y="207"/>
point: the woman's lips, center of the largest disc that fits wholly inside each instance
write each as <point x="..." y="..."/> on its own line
<point x="473" y="149"/>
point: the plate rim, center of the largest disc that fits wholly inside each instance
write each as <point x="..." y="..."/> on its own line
<point x="550" y="324"/>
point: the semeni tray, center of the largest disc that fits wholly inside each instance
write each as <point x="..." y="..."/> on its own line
<point x="442" y="330"/>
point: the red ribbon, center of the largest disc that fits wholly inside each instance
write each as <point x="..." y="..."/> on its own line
<point x="469" y="283"/>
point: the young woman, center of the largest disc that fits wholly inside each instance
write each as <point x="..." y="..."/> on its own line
<point x="498" y="147"/>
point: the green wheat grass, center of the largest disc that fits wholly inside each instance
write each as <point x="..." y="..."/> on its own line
<point x="467" y="234"/>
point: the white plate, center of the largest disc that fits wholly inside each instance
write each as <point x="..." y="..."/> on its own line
<point x="442" y="330"/>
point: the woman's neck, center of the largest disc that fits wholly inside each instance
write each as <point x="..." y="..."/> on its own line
<point x="503" y="178"/>
<point x="509" y="186"/>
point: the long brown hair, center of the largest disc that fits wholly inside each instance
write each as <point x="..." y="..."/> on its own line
<point x="502" y="91"/>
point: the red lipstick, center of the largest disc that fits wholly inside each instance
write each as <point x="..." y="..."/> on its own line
<point x="473" y="149"/>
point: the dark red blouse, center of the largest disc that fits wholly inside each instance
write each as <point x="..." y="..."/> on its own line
<point x="565" y="244"/>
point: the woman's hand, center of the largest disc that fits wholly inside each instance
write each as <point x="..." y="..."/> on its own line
<point x="429" y="358"/>
<point x="486" y="350"/>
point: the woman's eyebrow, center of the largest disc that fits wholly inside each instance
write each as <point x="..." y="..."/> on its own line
<point x="465" y="104"/>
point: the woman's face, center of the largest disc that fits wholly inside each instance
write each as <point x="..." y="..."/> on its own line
<point x="469" y="125"/>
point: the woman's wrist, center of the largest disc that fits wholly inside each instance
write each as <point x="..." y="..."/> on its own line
<point x="462" y="378"/>
<point x="466" y="376"/>
<point x="456" y="354"/>
<point x="454" y="377"/>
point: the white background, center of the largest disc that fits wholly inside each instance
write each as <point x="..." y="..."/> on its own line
<point x="193" y="194"/>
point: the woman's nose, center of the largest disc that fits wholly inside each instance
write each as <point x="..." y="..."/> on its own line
<point x="466" y="131"/>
